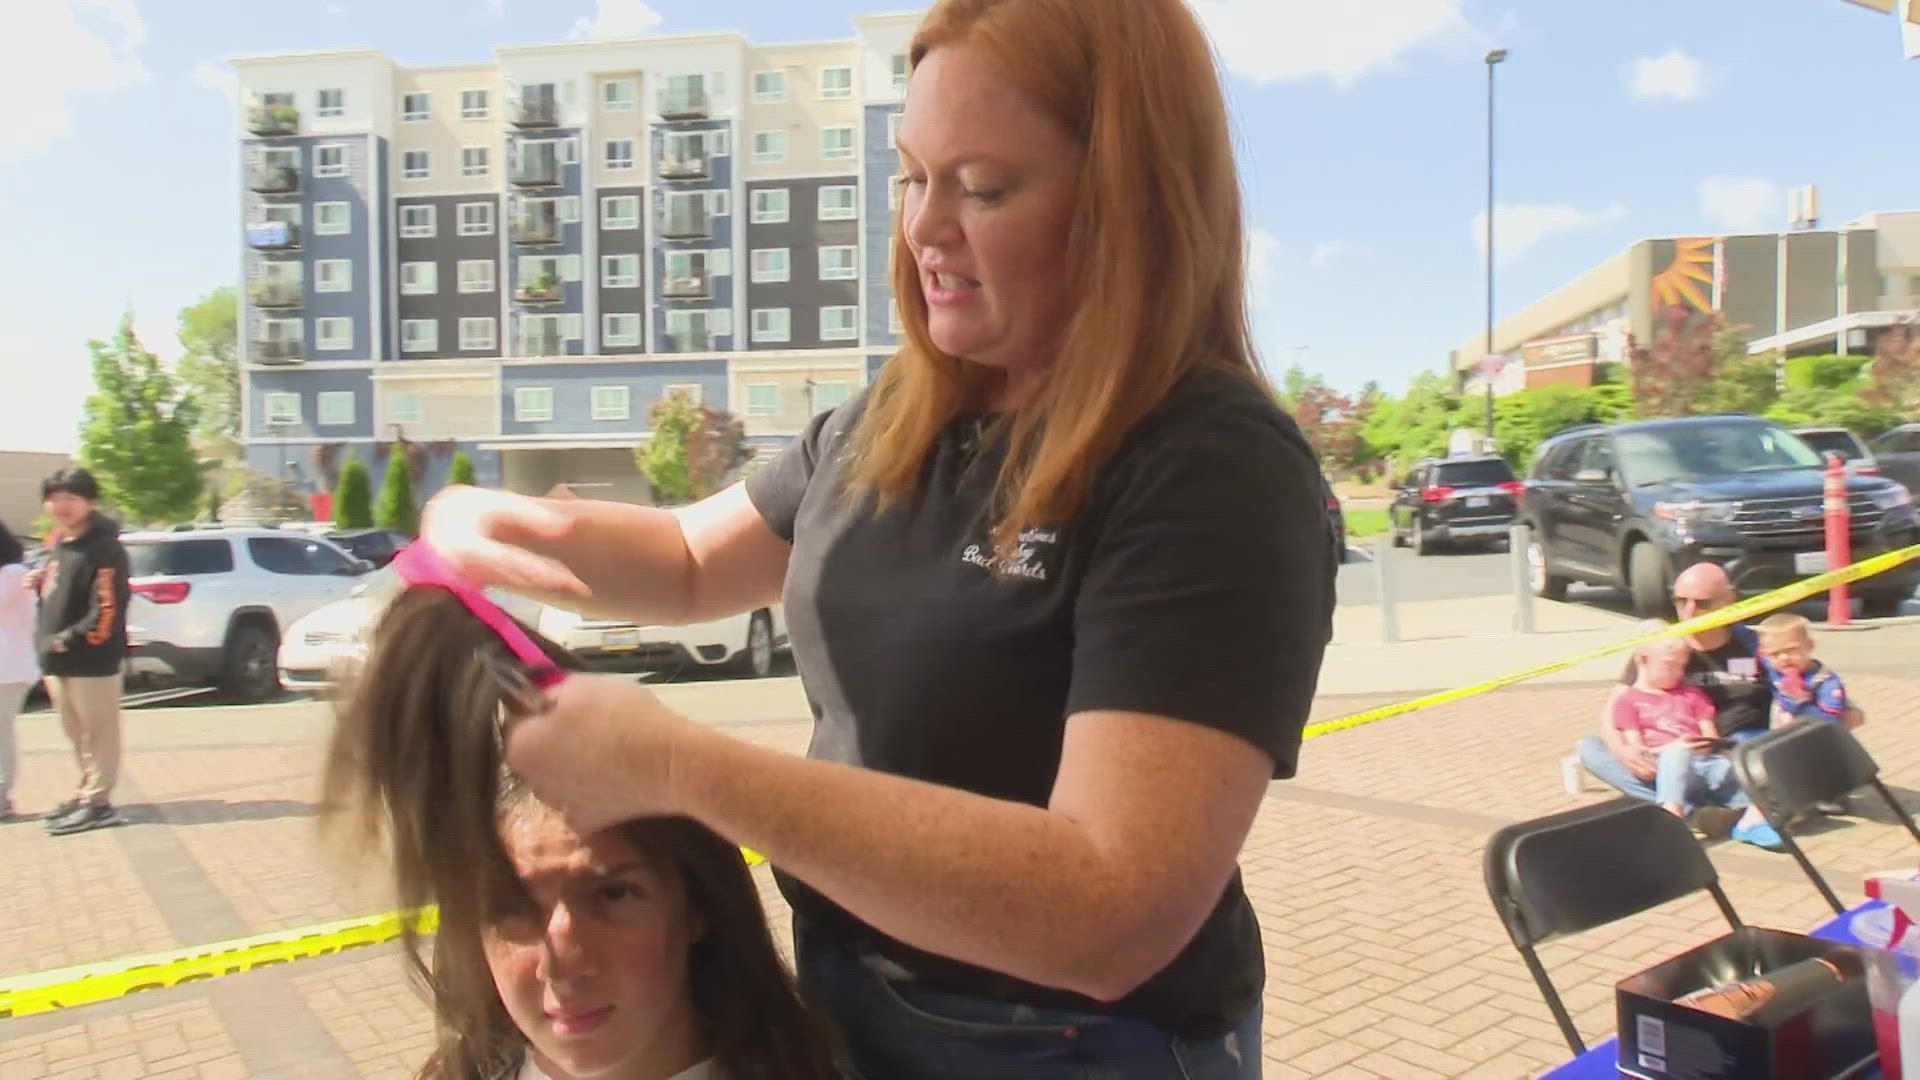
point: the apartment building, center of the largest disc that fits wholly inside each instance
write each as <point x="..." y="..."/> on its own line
<point x="520" y="257"/>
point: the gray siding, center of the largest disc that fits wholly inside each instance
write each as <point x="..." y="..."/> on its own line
<point x="1863" y="269"/>
<point x="876" y="221"/>
<point x="309" y="384"/>
<point x="1752" y="292"/>
<point x="572" y="240"/>
<point x="803" y="234"/>
<point x="445" y="249"/>
<point x="572" y="386"/>
<point x="622" y="242"/>
<point x="719" y="178"/>
<point x="1812" y="267"/>
<point x="357" y="190"/>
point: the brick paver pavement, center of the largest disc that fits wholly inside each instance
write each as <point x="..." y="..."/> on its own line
<point x="1384" y="957"/>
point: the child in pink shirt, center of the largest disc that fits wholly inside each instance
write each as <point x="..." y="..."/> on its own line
<point x="1670" y="726"/>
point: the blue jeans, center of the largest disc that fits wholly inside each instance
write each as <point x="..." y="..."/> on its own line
<point x="895" y="1029"/>
<point x="1685" y="779"/>
<point x="1720" y="785"/>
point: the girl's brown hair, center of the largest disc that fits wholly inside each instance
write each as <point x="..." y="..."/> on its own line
<point x="414" y="766"/>
<point x="1155" y="251"/>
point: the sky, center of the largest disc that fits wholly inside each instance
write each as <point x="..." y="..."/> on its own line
<point x="1361" y="130"/>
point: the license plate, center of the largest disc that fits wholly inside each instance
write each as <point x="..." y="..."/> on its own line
<point x="1475" y="502"/>
<point x="1810" y="562"/>
<point x="620" y="640"/>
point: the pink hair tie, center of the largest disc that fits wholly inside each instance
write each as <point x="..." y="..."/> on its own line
<point x="419" y="565"/>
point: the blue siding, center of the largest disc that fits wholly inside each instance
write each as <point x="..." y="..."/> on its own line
<point x="719" y="178"/>
<point x="572" y="386"/>
<point x="309" y="383"/>
<point x="874" y="363"/>
<point x="572" y="239"/>
<point x="365" y="174"/>
<point x="876" y="223"/>
<point x="383" y="198"/>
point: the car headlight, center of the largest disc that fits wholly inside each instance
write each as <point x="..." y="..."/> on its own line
<point x="1696" y="510"/>
<point x="1896" y="495"/>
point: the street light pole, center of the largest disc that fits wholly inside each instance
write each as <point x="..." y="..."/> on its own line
<point x="1494" y="57"/>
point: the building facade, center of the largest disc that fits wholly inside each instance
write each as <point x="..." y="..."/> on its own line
<point x="519" y="258"/>
<point x="1807" y="291"/>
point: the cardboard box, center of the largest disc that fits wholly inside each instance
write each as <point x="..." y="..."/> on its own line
<point x="1831" y="1037"/>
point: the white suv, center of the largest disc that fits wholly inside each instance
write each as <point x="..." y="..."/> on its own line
<point x="209" y="604"/>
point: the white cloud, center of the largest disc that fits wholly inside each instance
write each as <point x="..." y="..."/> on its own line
<point x="1742" y="203"/>
<point x="52" y="49"/>
<point x="217" y="76"/>
<point x="1263" y="256"/>
<point x="1517" y="229"/>
<point x="615" y="19"/>
<point x="1673" y="74"/>
<point x="1270" y="40"/>
<point x="1326" y="252"/>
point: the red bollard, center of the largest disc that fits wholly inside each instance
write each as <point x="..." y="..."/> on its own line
<point x="1839" y="539"/>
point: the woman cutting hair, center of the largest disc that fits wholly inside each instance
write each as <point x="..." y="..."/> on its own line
<point x="1058" y="586"/>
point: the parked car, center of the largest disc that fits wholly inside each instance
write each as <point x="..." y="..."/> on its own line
<point x="1898" y="454"/>
<point x="1455" y="500"/>
<point x="377" y="546"/>
<point x="209" y="605"/>
<point x="1629" y="505"/>
<point x="1839" y="441"/>
<point x="746" y="644"/>
<point x="328" y="642"/>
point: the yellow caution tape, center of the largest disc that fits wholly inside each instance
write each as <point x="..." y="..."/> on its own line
<point x="90" y="983"/>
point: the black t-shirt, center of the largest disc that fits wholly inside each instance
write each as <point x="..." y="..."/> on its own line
<point x="1197" y="584"/>
<point x="1732" y="676"/>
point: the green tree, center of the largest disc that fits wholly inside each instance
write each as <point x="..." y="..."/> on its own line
<point x="1893" y="379"/>
<point x="137" y="432"/>
<point x="460" y="471"/>
<point x="1400" y="431"/>
<point x="210" y="367"/>
<point x="353" y="496"/>
<point x="1827" y="371"/>
<point x="663" y="458"/>
<point x="394" y="509"/>
<point x="1742" y="383"/>
<point x="1325" y="416"/>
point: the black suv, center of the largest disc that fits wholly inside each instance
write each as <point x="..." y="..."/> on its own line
<point x="1629" y="505"/>
<point x="1450" y="500"/>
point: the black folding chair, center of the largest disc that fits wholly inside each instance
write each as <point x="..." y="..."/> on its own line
<point x="1789" y="769"/>
<point x="1584" y="868"/>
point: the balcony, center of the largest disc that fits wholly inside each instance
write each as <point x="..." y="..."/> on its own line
<point x="273" y="236"/>
<point x="534" y="113"/>
<point x="270" y="121"/>
<point x="275" y="351"/>
<point x="687" y="104"/>
<point x="536" y="169"/>
<point x="684" y="167"/>
<point x="686" y="286"/>
<point x="273" y="179"/>
<point x="685" y="343"/>
<point x="275" y="294"/>
<point x="544" y="289"/>
<point x="541" y="341"/>
<point x="686" y="225"/>
<point x="536" y="225"/>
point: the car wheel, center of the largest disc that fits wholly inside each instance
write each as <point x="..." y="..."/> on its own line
<point x="1545" y="586"/>
<point x="1648" y="582"/>
<point x="1881" y="605"/>
<point x="248" y="670"/>
<point x="1422" y="543"/>
<point x="1393" y="533"/>
<point x="756" y="660"/>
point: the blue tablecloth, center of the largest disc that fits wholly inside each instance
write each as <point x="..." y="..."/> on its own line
<point x="1602" y="1062"/>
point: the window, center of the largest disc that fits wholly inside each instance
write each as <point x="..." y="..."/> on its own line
<point x="478" y="333"/>
<point x="281" y="408"/>
<point x="331" y="219"/>
<point x="419" y="278"/>
<point x="417" y="221"/>
<point x="330" y="159"/>
<point x="403" y="407"/>
<point x="769" y="206"/>
<point x="332" y="333"/>
<point x="620" y="212"/>
<point x="299" y="558"/>
<point x="619" y="329"/>
<point x="419" y="335"/>
<point x="415" y="107"/>
<point x="692" y="391"/>
<point x="763" y="399"/>
<point x="836" y="83"/>
<point x="836" y="203"/>
<point x="893" y="130"/>
<point x="476" y="275"/>
<point x="476" y="219"/>
<point x="837" y="323"/>
<point x="769" y="265"/>
<point x="836" y="143"/>
<point x="616" y="95"/>
<point x="769" y="87"/>
<point x="686" y="264"/>
<point x="772" y="324"/>
<point x="332" y="275"/>
<point x="831" y="395"/>
<point x="280" y="158"/>
<point x="532" y="403"/>
<point x="612" y="403"/>
<point x="474" y="161"/>
<point x="619" y="271"/>
<point x="837" y="264"/>
<point x="416" y="165"/>
<point x="901" y="69"/>
<point x="769" y="147"/>
<point x="719" y="202"/>
<point x="330" y="104"/>
<point x="335" y="407"/>
<point x="180" y="558"/>
<point x="687" y="330"/>
<point x="473" y="104"/>
<point x="619" y="153"/>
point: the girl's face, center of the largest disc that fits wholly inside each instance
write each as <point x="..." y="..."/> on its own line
<point x="596" y="975"/>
